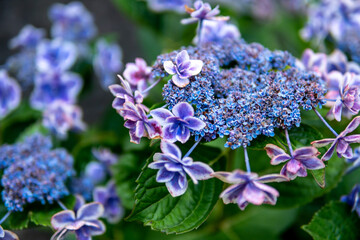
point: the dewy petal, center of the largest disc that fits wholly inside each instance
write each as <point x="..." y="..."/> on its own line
<point x="195" y="123"/>
<point x="174" y="187"/>
<point x="198" y="171"/>
<point x="305" y="152"/>
<point x="62" y="219"/>
<point x="273" y="150"/>
<point x="322" y="142"/>
<point x="352" y="138"/>
<point x="183" y="110"/>
<point x="90" y="211"/>
<point x="160" y="115"/>
<point x="313" y="163"/>
<point x="352" y="126"/>
<point x="170" y="148"/>
<point x="164" y="175"/>
<point x="170" y="67"/>
<point x="253" y="194"/>
<point x="280" y="158"/>
<point x="181" y="57"/>
<point x="195" y="67"/>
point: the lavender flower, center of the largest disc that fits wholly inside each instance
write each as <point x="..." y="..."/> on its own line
<point x="353" y="199"/>
<point x="316" y="62"/>
<point x="53" y="86"/>
<point x="83" y="220"/>
<point x="173" y="169"/>
<point x="10" y="94"/>
<point x="96" y="172"/>
<point x="72" y="22"/>
<point x="341" y="142"/>
<point x="249" y="188"/>
<point x="108" y="197"/>
<point x="107" y="62"/>
<point x="137" y="74"/>
<point x="138" y="123"/>
<point x="202" y="11"/>
<point x="29" y="37"/>
<point x="300" y="160"/>
<point x="183" y="68"/>
<point x="178" y="123"/>
<point x="354" y="161"/>
<point x="60" y="117"/>
<point x="216" y="32"/>
<point x="337" y="61"/>
<point x="55" y="55"/>
<point x="168" y="5"/>
<point x="83" y="186"/>
<point x="7" y="235"/>
<point x="105" y="156"/>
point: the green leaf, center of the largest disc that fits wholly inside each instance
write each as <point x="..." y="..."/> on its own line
<point x="156" y="207"/>
<point x="319" y="176"/>
<point x="334" y="222"/>
<point x="35" y="128"/>
<point x="18" y="220"/>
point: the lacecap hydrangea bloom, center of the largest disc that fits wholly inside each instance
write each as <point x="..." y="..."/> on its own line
<point x="10" y="94"/>
<point x="137" y="74"/>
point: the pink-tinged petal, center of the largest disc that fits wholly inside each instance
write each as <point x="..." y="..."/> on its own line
<point x="195" y="67"/>
<point x="170" y="148"/>
<point x="140" y="129"/>
<point x="280" y="158"/>
<point x="180" y="82"/>
<point x="174" y="188"/>
<point x="182" y="57"/>
<point x="329" y="152"/>
<point x="183" y="134"/>
<point x="223" y="176"/>
<point x="342" y="146"/>
<point x="266" y="188"/>
<point x="153" y="129"/>
<point x="220" y="18"/>
<point x="198" y="171"/>
<point x="62" y="219"/>
<point x="286" y="173"/>
<point x="242" y="203"/>
<point x="90" y="211"/>
<point x="170" y="67"/>
<point x="337" y="109"/>
<point x="348" y="153"/>
<point x="313" y="163"/>
<point x="195" y="123"/>
<point x="160" y="115"/>
<point x="273" y="150"/>
<point x="322" y="142"/>
<point x="352" y="126"/>
<point x="164" y="175"/>
<point x="293" y="166"/>
<point x="352" y="138"/>
<point x="302" y="172"/>
<point x="116" y="90"/>
<point x="133" y="137"/>
<point x="272" y="178"/>
<point x="305" y="152"/>
<point x="183" y="110"/>
<point x="253" y="194"/>
<point x="169" y="134"/>
<point x="173" y="167"/>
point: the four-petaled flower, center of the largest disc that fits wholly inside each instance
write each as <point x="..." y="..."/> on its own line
<point x="341" y="142"/>
<point x="138" y="123"/>
<point x="173" y="169"/>
<point x="108" y="197"/>
<point x="138" y="74"/>
<point x="7" y="235"/>
<point x="183" y="68"/>
<point x="83" y="220"/>
<point x="353" y="199"/>
<point x="301" y="159"/>
<point x="249" y="188"/>
<point x="202" y="11"/>
<point x="178" y="123"/>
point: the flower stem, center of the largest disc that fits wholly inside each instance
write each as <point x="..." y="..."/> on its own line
<point x="325" y="122"/>
<point x="288" y="141"/>
<point x="5" y="217"/>
<point x="192" y="148"/>
<point x="151" y="86"/>
<point x="199" y="32"/>
<point x="62" y="205"/>
<point x="247" y="163"/>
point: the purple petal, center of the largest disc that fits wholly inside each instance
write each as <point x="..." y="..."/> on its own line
<point x="154" y="129"/>
<point x="10" y="236"/>
<point x="100" y="194"/>
<point x="322" y="142"/>
<point x="305" y="152"/>
<point x="342" y="146"/>
<point x="169" y="134"/>
<point x="174" y="187"/>
<point x="198" y="171"/>
<point x="280" y="158"/>
<point x="352" y="138"/>
<point x="170" y="67"/>
<point x="170" y="148"/>
<point x="352" y="126"/>
<point x="180" y="82"/>
<point x="173" y="167"/>
<point x="164" y="175"/>
<point x="267" y="188"/>
<point x="195" y="123"/>
<point x="293" y="166"/>
<point x="272" y="178"/>
<point x="302" y="171"/>
<point x="313" y="163"/>
<point x="182" y="180"/>
<point x="183" y="134"/>
<point x="329" y="152"/>
<point x="195" y="67"/>
<point x="187" y="161"/>
<point x="79" y="201"/>
<point x="183" y="110"/>
<point x="2" y="233"/>
<point x="253" y="194"/>
<point x="181" y="57"/>
<point x="230" y="194"/>
<point x="223" y="176"/>
<point x="273" y="150"/>
<point x="156" y="165"/>
<point x="348" y="153"/>
<point x="90" y="211"/>
<point x="189" y="20"/>
<point x="96" y="227"/>
<point x="62" y="219"/>
<point x="140" y="129"/>
<point x="161" y="114"/>
<point x="336" y="110"/>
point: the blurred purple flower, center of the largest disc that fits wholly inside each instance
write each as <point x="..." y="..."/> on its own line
<point x="316" y="62"/>
<point x="138" y="74"/>
<point x="202" y="11"/>
<point x="353" y="199"/>
<point x="302" y="159"/>
<point x="337" y="61"/>
<point x="10" y="94"/>
<point x="355" y="160"/>
<point x="249" y="188"/>
<point x="53" y="86"/>
<point x="60" y="117"/>
<point x="341" y="142"/>
<point x="107" y="62"/>
<point x="95" y="171"/>
<point x="168" y="5"/>
<point x="108" y="197"/>
<point x="183" y="68"/>
<point x="7" y="235"/>
<point x="178" y="123"/>
<point x="29" y="37"/>
<point x="83" y="220"/>
<point x="82" y="185"/>
<point x="55" y="55"/>
<point x="72" y="22"/>
<point x="216" y="32"/>
<point x="138" y="123"/>
<point x="105" y="156"/>
<point x="173" y="169"/>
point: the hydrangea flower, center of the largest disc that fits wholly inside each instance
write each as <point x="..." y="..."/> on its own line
<point x="10" y="94"/>
<point x="183" y="68"/>
<point x="202" y="11"/>
<point x="173" y="169"/>
<point x="302" y="159"/>
<point x="72" y="22"/>
<point x="108" y="197"/>
<point x="178" y="123"/>
<point x="316" y="62"/>
<point x="60" y="117"/>
<point x="354" y="161"/>
<point x="95" y="171"/>
<point x="341" y="142"/>
<point x="337" y="61"/>
<point x="249" y="188"/>
<point x="168" y="5"/>
<point x="138" y="123"/>
<point x="216" y="32"/>
<point x="353" y="199"/>
<point x="55" y="55"/>
<point x="53" y="86"/>
<point x="83" y="220"/>
<point x="29" y="37"/>
<point x="7" y="235"/>
<point x="105" y="156"/>
<point x="107" y="62"/>
<point x="137" y="74"/>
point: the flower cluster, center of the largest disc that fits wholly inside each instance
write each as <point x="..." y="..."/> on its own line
<point x="33" y="172"/>
<point x="10" y="94"/>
